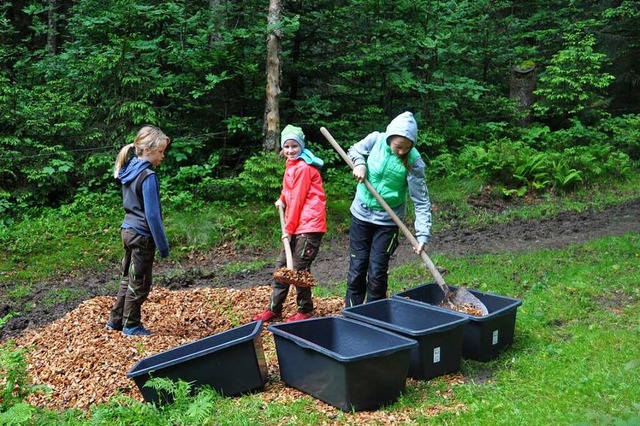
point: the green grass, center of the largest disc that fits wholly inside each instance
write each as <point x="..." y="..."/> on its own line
<point x="576" y="353"/>
<point x="575" y="358"/>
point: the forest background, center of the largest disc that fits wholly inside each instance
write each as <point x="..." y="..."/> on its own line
<point x="78" y="78"/>
<point x="519" y="103"/>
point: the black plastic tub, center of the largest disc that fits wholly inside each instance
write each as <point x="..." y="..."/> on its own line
<point x="231" y="362"/>
<point x="484" y="337"/>
<point x="346" y="363"/>
<point x="439" y="334"/>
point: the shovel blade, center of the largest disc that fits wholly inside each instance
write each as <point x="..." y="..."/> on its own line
<point x="463" y="297"/>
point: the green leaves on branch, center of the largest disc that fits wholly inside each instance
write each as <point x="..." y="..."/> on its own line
<point x="574" y="81"/>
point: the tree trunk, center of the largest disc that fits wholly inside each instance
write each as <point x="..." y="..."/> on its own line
<point x="217" y="20"/>
<point x="52" y="30"/>
<point x="521" y="87"/>
<point x="272" y="109"/>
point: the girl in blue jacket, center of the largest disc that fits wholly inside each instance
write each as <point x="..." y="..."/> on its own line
<point x="395" y="169"/>
<point x="142" y="229"/>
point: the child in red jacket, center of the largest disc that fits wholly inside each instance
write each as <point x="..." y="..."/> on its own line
<point x="304" y="201"/>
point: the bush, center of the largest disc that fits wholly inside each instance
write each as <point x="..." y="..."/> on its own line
<point x="624" y="133"/>
<point x="261" y="179"/>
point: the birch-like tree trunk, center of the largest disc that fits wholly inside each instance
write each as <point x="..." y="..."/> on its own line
<point x="52" y="27"/>
<point x="274" y="75"/>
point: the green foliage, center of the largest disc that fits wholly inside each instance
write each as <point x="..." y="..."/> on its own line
<point x="518" y="168"/>
<point x="261" y="178"/>
<point x="197" y="70"/>
<point x="97" y="171"/>
<point x="5" y="319"/>
<point x="574" y="83"/>
<point x="624" y="133"/>
<point x="18" y="414"/>
<point x="186" y="407"/>
<point x="14" y="383"/>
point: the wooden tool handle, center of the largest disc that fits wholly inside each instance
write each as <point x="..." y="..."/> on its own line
<point x="427" y="261"/>
<point x="285" y="241"/>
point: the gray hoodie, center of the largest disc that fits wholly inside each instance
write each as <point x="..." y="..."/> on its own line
<point x="403" y="125"/>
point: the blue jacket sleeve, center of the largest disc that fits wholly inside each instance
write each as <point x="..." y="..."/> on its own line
<point x="153" y="213"/>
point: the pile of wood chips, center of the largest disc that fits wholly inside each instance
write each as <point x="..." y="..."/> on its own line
<point x="84" y="364"/>
<point x="298" y="278"/>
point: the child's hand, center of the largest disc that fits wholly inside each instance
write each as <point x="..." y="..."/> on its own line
<point x="360" y="172"/>
<point x="279" y="203"/>
<point x="418" y="249"/>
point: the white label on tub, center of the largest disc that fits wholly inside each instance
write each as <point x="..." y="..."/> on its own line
<point x="494" y="341"/>
<point x="436" y="355"/>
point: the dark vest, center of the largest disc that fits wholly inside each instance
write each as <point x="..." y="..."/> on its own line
<point x="133" y="202"/>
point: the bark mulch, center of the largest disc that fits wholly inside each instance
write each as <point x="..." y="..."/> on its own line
<point x="84" y="364"/>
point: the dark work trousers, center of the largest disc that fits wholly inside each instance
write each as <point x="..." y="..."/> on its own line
<point x="135" y="284"/>
<point x="304" y="248"/>
<point x="370" y="249"/>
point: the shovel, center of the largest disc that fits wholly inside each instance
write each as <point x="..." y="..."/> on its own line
<point x="461" y="300"/>
<point x="288" y="275"/>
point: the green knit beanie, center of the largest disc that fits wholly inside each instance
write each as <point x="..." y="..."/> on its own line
<point x="292" y="132"/>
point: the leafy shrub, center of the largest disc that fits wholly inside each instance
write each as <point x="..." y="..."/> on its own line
<point x="186" y="407"/>
<point x="575" y="135"/>
<point x="186" y="176"/>
<point x="97" y="173"/>
<point x="574" y="82"/>
<point x="339" y="183"/>
<point x="225" y="189"/>
<point x="624" y="134"/>
<point x="598" y="162"/>
<point x="261" y="178"/>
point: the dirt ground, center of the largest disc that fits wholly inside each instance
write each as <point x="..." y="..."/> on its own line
<point x="331" y="265"/>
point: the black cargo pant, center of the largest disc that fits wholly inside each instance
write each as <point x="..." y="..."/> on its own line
<point x="135" y="284"/>
<point x="370" y="249"/>
<point x="304" y="248"/>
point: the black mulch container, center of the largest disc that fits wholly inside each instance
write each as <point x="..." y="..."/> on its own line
<point x="231" y="362"/>
<point x="439" y="334"/>
<point x="346" y="363"/>
<point x="484" y="337"/>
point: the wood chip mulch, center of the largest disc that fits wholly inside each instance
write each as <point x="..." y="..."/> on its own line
<point x="298" y="278"/>
<point x="84" y="364"/>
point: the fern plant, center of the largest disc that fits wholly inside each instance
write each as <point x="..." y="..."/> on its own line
<point x="14" y="379"/>
<point x="183" y="407"/>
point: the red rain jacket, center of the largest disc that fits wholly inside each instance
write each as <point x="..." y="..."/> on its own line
<point x="304" y="198"/>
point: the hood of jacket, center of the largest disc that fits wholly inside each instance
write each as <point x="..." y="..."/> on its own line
<point x="404" y="125"/>
<point x="132" y="169"/>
